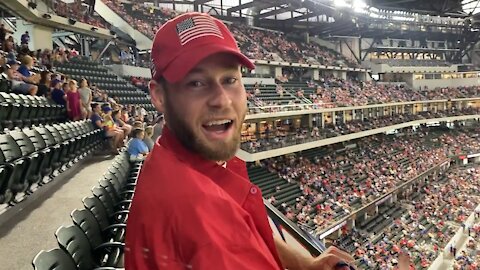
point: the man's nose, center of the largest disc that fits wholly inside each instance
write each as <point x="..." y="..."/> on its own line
<point x="219" y="96"/>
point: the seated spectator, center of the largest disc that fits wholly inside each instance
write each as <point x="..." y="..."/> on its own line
<point x="44" y="84"/>
<point x="138" y="124"/>
<point x="58" y="95"/>
<point x="148" y="137"/>
<point x="22" y="83"/>
<point x="117" y="119"/>
<point x="137" y="149"/>
<point x="99" y="123"/>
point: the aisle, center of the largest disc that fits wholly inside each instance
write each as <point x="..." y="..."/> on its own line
<point x="21" y="240"/>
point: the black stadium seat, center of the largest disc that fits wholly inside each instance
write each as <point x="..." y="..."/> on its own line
<point x="17" y="110"/>
<point x="41" y="148"/>
<point x="114" y="227"/>
<point x="32" y="156"/>
<point x="75" y="242"/>
<point x="52" y="144"/>
<point x="15" y="163"/>
<point x="96" y="240"/>
<point x="12" y="110"/>
<point x="106" y="250"/>
<point x="54" y="259"/>
<point x="63" y="143"/>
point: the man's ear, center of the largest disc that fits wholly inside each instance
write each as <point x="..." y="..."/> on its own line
<point x="157" y="95"/>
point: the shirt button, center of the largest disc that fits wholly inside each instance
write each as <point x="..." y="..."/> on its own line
<point x="253" y="190"/>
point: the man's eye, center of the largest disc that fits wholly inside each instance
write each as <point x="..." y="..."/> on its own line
<point x="195" y="84"/>
<point x="231" y="80"/>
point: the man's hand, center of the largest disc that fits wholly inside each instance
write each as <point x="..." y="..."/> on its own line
<point x="332" y="259"/>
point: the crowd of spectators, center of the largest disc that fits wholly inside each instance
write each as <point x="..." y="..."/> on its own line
<point x="285" y="135"/>
<point x="354" y="177"/>
<point x="451" y="92"/>
<point x="255" y="43"/>
<point x="469" y="258"/>
<point x="75" y="10"/>
<point x="268" y="44"/>
<point x="336" y="182"/>
<point x="335" y="92"/>
<point x="33" y="73"/>
<point x="425" y="229"/>
<point x="331" y="92"/>
<point x="145" y="19"/>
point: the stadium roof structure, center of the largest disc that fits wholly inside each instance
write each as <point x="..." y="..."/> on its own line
<point x="453" y="21"/>
<point x="444" y="8"/>
<point x="441" y="19"/>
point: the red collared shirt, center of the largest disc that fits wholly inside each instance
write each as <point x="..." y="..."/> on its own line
<point x="191" y="213"/>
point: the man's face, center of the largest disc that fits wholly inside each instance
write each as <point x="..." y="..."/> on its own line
<point x="206" y="109"/>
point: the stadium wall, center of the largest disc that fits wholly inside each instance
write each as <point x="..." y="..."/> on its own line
<point x="40" y="36"/>
<point x="438" y="83"/>
<point x="385" y="68"/>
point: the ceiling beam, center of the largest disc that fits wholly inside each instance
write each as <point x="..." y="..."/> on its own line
<point x="301" y="17"/>
<point x="184" y="2"/>
<point x="200" y="2"/>
<point x="241" y="7"/>
<point x="274" y="12"/>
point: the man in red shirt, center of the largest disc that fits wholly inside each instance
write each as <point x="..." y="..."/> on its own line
<point x="194" y="206"/>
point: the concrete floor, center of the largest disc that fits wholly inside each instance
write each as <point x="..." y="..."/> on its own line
<point x="33" y="229"/>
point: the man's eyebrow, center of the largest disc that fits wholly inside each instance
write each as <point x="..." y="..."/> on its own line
<point x="196" y="70"/>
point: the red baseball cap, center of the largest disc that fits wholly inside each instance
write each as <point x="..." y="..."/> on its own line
<point x="181" y="43"/>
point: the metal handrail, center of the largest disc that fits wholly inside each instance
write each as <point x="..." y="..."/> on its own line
<point x="310" y="243"/>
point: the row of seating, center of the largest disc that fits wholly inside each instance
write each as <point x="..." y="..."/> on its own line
<point x="18" y="110"/>
<point x="114" y="86"/>
<point x="96" y="238"/>
<point x="90" y="71"/>
<point x="29" y="157"/>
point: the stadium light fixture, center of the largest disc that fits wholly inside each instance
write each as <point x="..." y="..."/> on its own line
<point x="47" y="16"/>
<point x="341" y="3"/>
<point x="359" y="6"/>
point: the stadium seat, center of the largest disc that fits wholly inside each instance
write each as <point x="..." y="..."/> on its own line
<point x="105" y="248"/>
<point x="54" y="259"/>
<point x="16" y="165"/>
<point x="10" y="110"/>
<point x="116" y="210"/>
<point x="41" y="148"/>
<point x="74" y="240"/>
<point x="52" y="144"/>
<point x="115" y="226"/>
<point x="28" y="151"/>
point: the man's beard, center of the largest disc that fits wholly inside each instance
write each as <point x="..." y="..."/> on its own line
<point x="215" y="151"/>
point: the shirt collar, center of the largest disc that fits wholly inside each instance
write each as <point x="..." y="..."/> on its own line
<point x="233" y="178"/>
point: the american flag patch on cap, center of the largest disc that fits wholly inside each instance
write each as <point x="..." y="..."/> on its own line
<point x="196" y="27"/>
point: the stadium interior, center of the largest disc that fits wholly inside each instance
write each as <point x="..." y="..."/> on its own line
<point x="362" y="130"/>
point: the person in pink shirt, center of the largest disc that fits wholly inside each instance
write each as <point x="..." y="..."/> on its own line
<point x="73" y="101"/>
